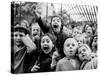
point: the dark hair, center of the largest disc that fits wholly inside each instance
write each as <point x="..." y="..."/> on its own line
<point x="62" y="23"/>
<point x="21" y="30"/>
<point x="85" y="28"/>
<point x="92" y="41"/>
<point x="52" y="39"/>
<point x="50" y="36"/>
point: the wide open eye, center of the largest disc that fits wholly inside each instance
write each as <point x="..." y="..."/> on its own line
<point x="68" y="45"/>
<point x="89" y="32"/>
<point x="73" y="44"/>
<point x="58" y="20"/>
<point x="77" y="32"/>
<point x="15" y="35"/>
<point x="42" y="41"/>
<point x="84" y="50"/>
<point x="77" y="40"/>
<point x="21" y="35"/>
<point x="47" y="40"/>
<point x="79" y="52"/>
<point x="37" y="30"/>
<point x="33" y="29"/>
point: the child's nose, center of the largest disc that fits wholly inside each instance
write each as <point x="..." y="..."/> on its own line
<point x="45" y="42"/>
<point x="70" y="47"/>
<point x="18" y="37"/>
<point x="35" y="31"/>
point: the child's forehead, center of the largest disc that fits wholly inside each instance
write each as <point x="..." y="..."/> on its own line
<point x="76" y="29"/>
<point x="89" y="27"/>
<point x="56" y="18"/>
<point x="35" y="26"/>
<point x="70" y="40"/>
<point x="18" y="32"/>
<point x="82" y="48"/>
<point x="45" y="37"/>
<point x="79" y="38"/>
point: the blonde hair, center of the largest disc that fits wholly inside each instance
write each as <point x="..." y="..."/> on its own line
<point x="85" y="45"/>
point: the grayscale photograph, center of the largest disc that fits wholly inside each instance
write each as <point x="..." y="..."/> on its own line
<point x="52" y="37"/>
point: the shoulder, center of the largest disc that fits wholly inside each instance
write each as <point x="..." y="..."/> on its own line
<point x="91" y="64"/>
<point x="62" y="61"/>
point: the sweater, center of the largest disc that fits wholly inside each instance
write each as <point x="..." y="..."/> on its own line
<point x="66" y="64"/>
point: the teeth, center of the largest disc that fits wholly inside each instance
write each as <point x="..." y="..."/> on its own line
<point x="34" y="34"/>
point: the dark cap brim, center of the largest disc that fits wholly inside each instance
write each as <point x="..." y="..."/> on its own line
<point x="21" y="28"/>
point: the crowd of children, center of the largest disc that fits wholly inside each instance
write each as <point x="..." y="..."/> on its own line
<point x="38" y="47"/>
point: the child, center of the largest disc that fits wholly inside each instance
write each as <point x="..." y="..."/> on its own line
<point x="76" y="31"/>
<point x="55" y="58"/>
<point x="85" y="55"/>
<point x="22" y="45"/>
<point x="35" y="34"/>
<point x="47" y="48"/>
<point x="93" y="44"/>
<point x="80" y="39"/>
<point x="67" y="31"/>
<point x="56" y="29"/>
<point x="69" y="62"/>
<point x="88" y="33"/>
<point x="35" y="31"/>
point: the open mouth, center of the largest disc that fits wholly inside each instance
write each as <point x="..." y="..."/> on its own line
<point x="34" y="34"/>
<point x="55" y="26"/>
<point x="70" y="52"/>
<point x="19" y="41"/>
<point x="45" y="48"/>
<point x="83" y="55"/>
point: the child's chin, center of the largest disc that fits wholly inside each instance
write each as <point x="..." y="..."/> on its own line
<point x="46" y="52"/>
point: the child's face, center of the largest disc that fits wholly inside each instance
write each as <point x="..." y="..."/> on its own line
<point x="17" y="37"/>
<point x="80" y="41"/>
<point x="56" y="24"/>
<point x="83" y="53"/>
<point x="70" y="47"/>
<point x="89" y="31"/>
<point x="67" y="31"/>
<point x="46" y="44"/>
<point x="35" y="30"/>
<point x="76" y="32"/>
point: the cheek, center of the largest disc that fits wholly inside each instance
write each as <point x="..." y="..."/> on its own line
<point x="87" y="53"/>
<point x="60" y="24"/>
<point x="80" y="56"/>
<point x="65" y="51"/>
<point x="15" y="38"/>
<point x="51" y="45"/>
<point x="52" y="23"/>
<point x="41" y="45"/>
<point x="66" y="48"/>
<point x="38" y="32"/>
<point x="32" y="31"/>
<point x="74" y="48"/>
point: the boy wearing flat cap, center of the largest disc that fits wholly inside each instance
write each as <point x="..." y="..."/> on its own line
<point x="22" y="45"/>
